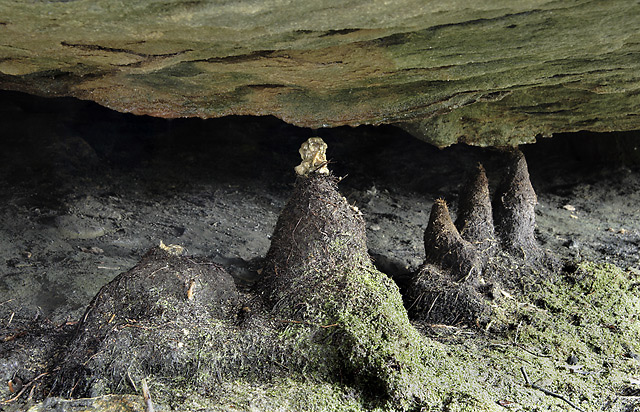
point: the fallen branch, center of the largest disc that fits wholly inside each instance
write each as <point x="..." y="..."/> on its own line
<point x="546" y="391"/>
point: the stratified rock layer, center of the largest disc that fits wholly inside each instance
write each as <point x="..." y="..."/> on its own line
<point x="485" y="72"/>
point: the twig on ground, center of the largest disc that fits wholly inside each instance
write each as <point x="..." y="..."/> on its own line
<point x="546" y="391"/>
<point x="135" y="388"/>
<point x="147" y="396"/>
<point x="442" y="326"/>
<point x="14" y="336"/>
<point x="158" y="270"/>
<point x="524" y="348"/>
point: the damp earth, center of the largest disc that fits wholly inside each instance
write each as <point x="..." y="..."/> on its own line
<point x="275" y="291"/>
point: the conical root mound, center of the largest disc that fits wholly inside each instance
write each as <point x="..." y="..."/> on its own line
<point x="514" y="210"/>
<point x="475" y="218"/>
<point x="445" y="246"/>
<point x="152" y="319"/>
<point x="316" y="230"/>
<point x="465" y="265"/>
<point x="319" y="279"/>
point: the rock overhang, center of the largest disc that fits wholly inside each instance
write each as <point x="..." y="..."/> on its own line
<point x="490" y="73"/>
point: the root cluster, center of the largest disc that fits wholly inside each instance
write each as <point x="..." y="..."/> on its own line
<point x="320" y="312"/>
<point x="490" y="247"/>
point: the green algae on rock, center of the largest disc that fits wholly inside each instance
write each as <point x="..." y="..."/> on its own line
<point x="485" y="73"/>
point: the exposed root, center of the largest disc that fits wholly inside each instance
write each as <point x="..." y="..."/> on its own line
<point x="548" y="392"/>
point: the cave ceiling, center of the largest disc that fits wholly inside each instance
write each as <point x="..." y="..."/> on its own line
<point x="486" y="73"/>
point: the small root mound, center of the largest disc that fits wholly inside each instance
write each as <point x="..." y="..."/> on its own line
<point x="148" y="320"/>
<point x="467" y="265"/>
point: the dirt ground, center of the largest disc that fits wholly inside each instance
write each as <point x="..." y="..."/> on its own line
<point x="86" y="191"/>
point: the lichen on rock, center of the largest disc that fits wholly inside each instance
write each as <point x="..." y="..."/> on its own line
<point x="487" y="73"/>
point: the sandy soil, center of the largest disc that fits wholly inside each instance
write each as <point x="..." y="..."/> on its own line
<point x="86" y="191"/>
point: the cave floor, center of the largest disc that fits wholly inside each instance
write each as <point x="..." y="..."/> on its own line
<point x="85" y="192"/>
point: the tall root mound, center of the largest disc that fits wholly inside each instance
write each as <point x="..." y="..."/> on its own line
<point x="489" y="252"/>
<point x="317" y="228"/>
<point x="320" y="281"/>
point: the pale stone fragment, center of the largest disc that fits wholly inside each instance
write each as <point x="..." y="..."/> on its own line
<point x="314" y="157"/>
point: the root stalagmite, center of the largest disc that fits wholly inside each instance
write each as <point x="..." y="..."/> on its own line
<point x="465" y="265"/>
<point x="445" y="246"/>
<point x="513" y="209"/>
<point x="475" y="218"/>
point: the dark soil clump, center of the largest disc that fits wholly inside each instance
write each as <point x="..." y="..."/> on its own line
<point x="27" y="353"/>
